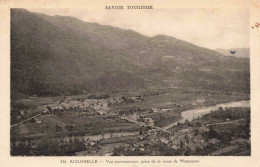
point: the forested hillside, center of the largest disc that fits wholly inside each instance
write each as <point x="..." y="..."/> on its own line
<point x="55" y="55"/>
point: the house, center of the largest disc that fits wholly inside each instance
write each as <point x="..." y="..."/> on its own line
<point x="190" y="136"/>
<point x="53" y="108"/>
<point x="132" y="149"/>
<point x="199" y="138"/>
<point x="187" y="130"/>
<point x="37" y="121"/>
<point x="214" y="141"/>
<point x="240" y="141"/>
<point x="176" y="144"/>
<point x="34" y="145"/>
<point x="224" y="150"/>
<point x="140" y="144"/>
<point x="152" y="132"/>
<point x="175" y="147"/>
<point x="60" y="108"/>
<point x="141" y="149"/>
<point x="201" y="100"/>
<point x="33" y="96"/>
<point x="191" y="147"/>
<point x="154" y="109"/>
<point x="164" y="140"/>
<point x="135" y="117"/>
<point x="45" y="111"/>
<point x="204" y="129"/>
<point x="74" y="104"/>
<point x="22" y="112"/>
<point x="153" y="139"/>
<point x="182" y="139"/>
<point x="18" y="117"/>
<point x="166" y="110"/>
<point x="65" y="106"/>
<point x="82" y="153"/>
<point x="149" y="121"/>
<point x="198" y="101"/>
<point x="205" y="144"/>
<point x="184" y="130"/>
<point x="199" y="145"/>
<point x="152" y="153"/>
<point x="141" y="137"/>
<point x="176" y="134"/>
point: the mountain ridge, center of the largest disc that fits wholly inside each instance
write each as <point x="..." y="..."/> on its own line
<point x="240" y="52"/>
<point x="54" y="55"/>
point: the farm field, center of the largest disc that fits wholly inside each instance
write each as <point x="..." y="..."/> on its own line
<point x="102" y="120"/>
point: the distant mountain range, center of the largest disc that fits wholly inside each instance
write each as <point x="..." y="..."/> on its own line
<point x="239" y="52"/>
<point x="54" y="55"/>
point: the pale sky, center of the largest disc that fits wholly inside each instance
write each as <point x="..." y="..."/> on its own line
<point x="209" y="28"/>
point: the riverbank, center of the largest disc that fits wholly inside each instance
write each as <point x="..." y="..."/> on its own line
<point x="195" y="113"/>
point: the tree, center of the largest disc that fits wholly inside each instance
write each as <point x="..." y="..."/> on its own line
<point x="212" y="133"/>
<point x="196" y="132"/>
<point x="160" y="118"/>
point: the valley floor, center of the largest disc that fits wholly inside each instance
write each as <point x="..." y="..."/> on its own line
<point x="129" y="123"/>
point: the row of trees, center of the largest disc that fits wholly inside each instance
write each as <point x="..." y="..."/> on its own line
<point x="48" y="146"/>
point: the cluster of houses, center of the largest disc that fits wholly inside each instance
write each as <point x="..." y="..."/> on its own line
<point x="198" y="101"/>
<point x="187" y="139"/>
<point x="141" y="119"/>
<point x="184" y="140"/>
<point x="89" y="106"/>
<point x="99" y="105"/>
<point x="235" y="145"/>
<point x="86" y="105"/>
<point x="143" y="146"/>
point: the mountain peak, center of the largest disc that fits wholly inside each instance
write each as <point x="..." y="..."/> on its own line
<point x="53" y="55"/>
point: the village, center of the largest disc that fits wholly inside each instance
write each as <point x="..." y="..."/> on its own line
<point x="107" y="125"/>
<point x="194" y="138"/>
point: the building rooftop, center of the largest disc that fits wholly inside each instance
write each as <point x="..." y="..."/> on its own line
<point x="224" y="150"/>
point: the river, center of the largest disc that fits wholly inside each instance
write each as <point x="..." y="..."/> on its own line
<point x="195" y="113"/>
<point x="105" y="136"/>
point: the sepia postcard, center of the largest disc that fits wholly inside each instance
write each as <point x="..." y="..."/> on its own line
<point x="130" y="83"/>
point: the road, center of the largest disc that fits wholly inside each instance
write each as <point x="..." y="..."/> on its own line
<point x="143" y="124"/>
<point x="227" y="122"/>
<point x="26" y="120"/>
<point x="169" y="126"/>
